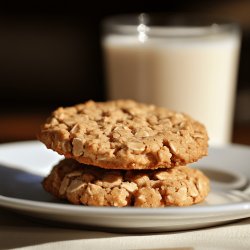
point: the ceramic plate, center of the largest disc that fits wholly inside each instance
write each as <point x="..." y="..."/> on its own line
<point x="24" y="164"/>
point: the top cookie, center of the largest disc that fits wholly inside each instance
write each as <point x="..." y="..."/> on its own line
<point x="124" y="134"/>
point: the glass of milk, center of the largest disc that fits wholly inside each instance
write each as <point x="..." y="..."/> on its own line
<point x="182" y="63"/>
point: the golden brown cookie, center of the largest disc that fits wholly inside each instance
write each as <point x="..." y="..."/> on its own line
<point x="124" y="134"/>
<point x="93" y="186"/>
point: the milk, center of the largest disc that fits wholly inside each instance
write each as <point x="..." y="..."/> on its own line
<point x="195" y="75"/>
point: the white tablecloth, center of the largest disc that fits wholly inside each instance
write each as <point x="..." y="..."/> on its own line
<point x="22" y="233"/>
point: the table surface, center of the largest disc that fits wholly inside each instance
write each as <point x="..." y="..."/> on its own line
<point x="18" y="232"/>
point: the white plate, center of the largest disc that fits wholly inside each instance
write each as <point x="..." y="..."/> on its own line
<point x="23" y="165"/>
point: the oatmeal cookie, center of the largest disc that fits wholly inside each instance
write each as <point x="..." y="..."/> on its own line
<point x="93" y="186"/>
<point x="124" y="134"/>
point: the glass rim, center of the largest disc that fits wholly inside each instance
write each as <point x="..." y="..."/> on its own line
<point x="163" y="24"/>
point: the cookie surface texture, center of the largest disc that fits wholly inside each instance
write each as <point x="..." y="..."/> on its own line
<point x="124" y="134"/>
<point x="93" y="186"/>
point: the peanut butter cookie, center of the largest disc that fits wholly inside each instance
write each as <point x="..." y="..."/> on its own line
<point x="124" y="134"/>
<point x="93" y="186"/>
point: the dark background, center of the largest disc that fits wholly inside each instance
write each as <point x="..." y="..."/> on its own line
<point x="50" y="56"/>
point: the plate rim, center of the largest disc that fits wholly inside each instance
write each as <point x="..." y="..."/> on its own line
<point x="11" y="202"/>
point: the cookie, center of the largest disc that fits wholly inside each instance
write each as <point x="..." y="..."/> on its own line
<point x="93" y="186"/>
<point x="124" y="134"/>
